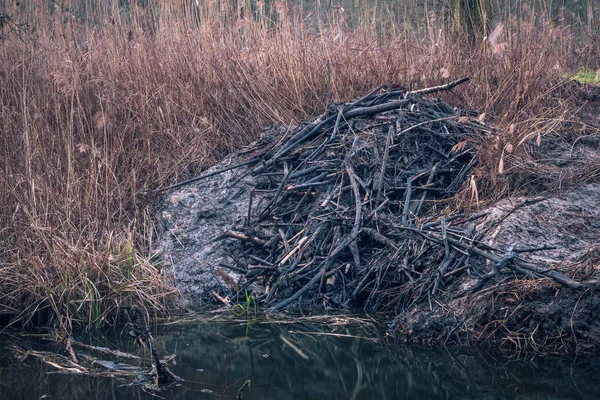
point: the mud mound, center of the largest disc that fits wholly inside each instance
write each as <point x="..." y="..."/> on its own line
<point x="349" y="211"/>
<point x="566" y="226"/>
<point x="518" y="312"/>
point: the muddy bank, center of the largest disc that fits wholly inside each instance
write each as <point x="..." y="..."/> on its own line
<point x="354" y="210"/>
<point x="522" y="311"/>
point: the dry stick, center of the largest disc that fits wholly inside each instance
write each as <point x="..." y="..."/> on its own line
<point x="316" y="154"/>
<point x="260" y="260"/>
<point x="456" y="271"/>
<point x="429" y="180"/>
<point x="383" y="204"/>
<point x="458" y="245"/>
<point x="488" y="247"/>
<point x="435" y="240"/>
<point x="263" y="267"/>
<point x="233" y="268"/>
<point x="438" y="152"/>
<point x="457" y="216"/>
<point x="450" y="259"/>
<point x="313" y="129"/>
<point x="407" y="201"/>
<point x="221" y="299"/>
<point x="445" y="237"/>
<point x="358" y="206"/>
<point x="370" y="110"/>
<point x="378" y="237"/>
<point x="363" y="282"/>
<point x="357" y="201"/>
<point x="554" y="274"/>
<point x="367" y="97"/>
<point x="105" y="350"/>
<point x="286" y="245"/>
<point x="299" y="293"/>
<point x="440" y="88"/>
<point x="306" y="171"/>
<point x="358" y="215"/>
<point x="382" y="273"/>
<point x="307" y="185"/>
<point x="350" y="106"/>
<point x="70" y="350"/>
<point x="509" y="256"/>
<point x="307" y="133"/>
<point x="285" y="275"/>
<point x="311" y="180"/>
<point x="353" y="246"/>
<point x="241" y="236"/>
<point x="198" y="178"/>
<point x="410" y="128"/>
<point x="345" y="242"/>
<point x="534" y="249"/>
<point x="386" y="154"/>
<point x="250" y="207"/>
<point x="299" y="205"/>
<point x="459" y="179"/>
<point x="463" y="261"/>
<point x="360" y="285"/>
<point x="422" y="188"/>
<point x="264" y="213"/>
<point x="442" y="271"/>
<point x="336" y="127"/>
<point x="325" y="265"/>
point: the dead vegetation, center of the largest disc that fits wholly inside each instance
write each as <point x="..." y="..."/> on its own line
<point x="101" y="104"/>
<point x="148" y="371"/>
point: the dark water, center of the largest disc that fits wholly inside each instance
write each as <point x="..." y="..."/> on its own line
<point x="291" y="361"/>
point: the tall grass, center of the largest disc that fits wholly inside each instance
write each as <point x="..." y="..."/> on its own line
<point x="102" y="102"/>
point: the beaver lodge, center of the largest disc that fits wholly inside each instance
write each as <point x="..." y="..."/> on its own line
<point x="363" y="208"/>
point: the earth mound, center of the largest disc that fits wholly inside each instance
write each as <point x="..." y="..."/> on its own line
<point x="351" y="210"/>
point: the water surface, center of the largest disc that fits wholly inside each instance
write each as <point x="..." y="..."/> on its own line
<point x="305" y="360"/>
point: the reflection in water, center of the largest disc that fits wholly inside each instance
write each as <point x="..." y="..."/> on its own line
<point x="293" y="361"/>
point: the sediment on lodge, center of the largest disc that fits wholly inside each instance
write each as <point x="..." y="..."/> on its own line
<point x="351" y="210"/>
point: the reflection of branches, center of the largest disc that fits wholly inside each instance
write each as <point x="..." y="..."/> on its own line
<point x="359" y="379"/>
<point x="337" y="366"/>
<point x="235" y="383"/>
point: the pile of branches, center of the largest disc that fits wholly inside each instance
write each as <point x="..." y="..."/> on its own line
<point x="350" y="207"/>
